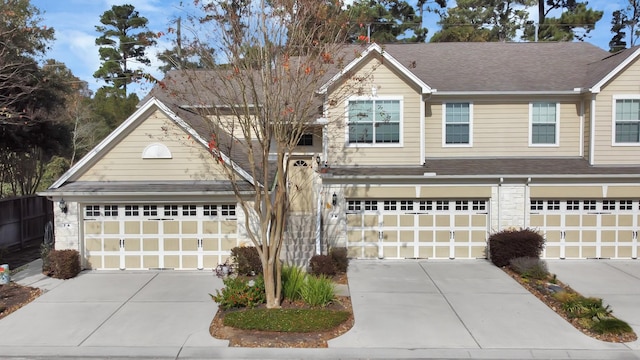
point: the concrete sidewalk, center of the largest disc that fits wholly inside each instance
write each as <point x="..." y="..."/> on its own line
<point x="403" y="309"/>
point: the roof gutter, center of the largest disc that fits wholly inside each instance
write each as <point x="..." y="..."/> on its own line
<point x="460" y="93"/>
<point x="477" y="177"/>
<point x="71" y="193"/>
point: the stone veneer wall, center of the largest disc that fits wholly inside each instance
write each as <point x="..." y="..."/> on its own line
<point x="508" y="206"/>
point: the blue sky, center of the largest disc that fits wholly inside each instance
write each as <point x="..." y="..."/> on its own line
<point x="74" y="22"/>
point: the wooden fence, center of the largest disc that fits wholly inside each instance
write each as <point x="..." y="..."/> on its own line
<point x="23" y="221"/>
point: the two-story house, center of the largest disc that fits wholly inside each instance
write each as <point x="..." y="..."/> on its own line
<point x="451" y="142"/>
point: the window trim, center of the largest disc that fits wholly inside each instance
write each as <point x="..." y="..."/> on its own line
<point x="400" y="143"/>
<point x="444" y="125"/>
<point x="614" y="99"/>
<point x="557" y="124"/>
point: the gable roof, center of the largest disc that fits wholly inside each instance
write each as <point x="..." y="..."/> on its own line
<point x="500" y="67"/>
<point x="194" y="125"/>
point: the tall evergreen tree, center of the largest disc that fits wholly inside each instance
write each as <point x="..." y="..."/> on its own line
<point x="386" y="21"/>
<point x="125" y="38"/>
<point x="575" y="22"/>
<point x="618" y="25"/>
<point x="482" y="20"/>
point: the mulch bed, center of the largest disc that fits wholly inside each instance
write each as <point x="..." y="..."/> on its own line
<point x="14" y="296"/>
<point x="547" y="298"/>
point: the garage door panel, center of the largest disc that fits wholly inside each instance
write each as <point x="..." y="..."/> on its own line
<point x="589" y="252"/>
<point x="608" y="236"/>
<point x="111" y="227"/>
<point x="354" y="236"/>
<point x="371" y="252"/>
<point x="132" y="244"/>
<point x="171" y="227"/>
<point x="425" y="236"/>
<point x="461" y="252"/>
<point x="552" y="252"/>
<point x="355" y="251"/>
<point x="479" y="221"/>
<point x="172" y="261"/>
<point x="572" y="220"/>
<point x="625" y="235"/>
<point x="228" y="244"/>
<point x="151" y="261"/>
<point x="443" y="236"/>
<point x="406" y="252"/>
<point x="461" y="220"/>
<point x="171" y="244"/>
<point x="625" y="220"/>
<point x="478" y="252"/>
<point x="132" y="262"/>
<point x="608" y="252"/>
<point x="407" y="220"/>
<point x="537" y="220"/>
<point x="132" y="227"/>
<point x="461" y="236"/>
<point x="443" y="220"/>
<point x="150" y="227"/>
<point x="92" y="227"/>
<point x="425" y="220"/>
<point x="425" y="252"/>
<point x="609" y="220"/>
<point x="573" y="252"/>
<point x="370" y="220"/>
<point x="370" y="236"/>
<point x="189" y="244"/>
<point x="407" y="236"/>
<point x="390" y="236"/>
<point x="354" y="220"/>
<point x="211" y="261"/>
<point x="625" y="251"/>
<point x="390" y="252"/>
<point x="442" y="252"/>
<point x="390" y="220"/>
<point x="148" y="243"/>
<point x="589" y="220"/>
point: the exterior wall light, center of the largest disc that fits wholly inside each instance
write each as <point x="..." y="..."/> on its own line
<point x="63" y="206"/>
<point x="334" y="199"/>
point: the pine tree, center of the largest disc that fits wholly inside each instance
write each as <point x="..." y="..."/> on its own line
<point x="124" y="39"/>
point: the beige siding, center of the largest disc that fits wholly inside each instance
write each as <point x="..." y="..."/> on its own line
<point x="501" y="128"/>
<point x="387" y="83"/>
<point x="586" y="136"/>
<point x="626" y="83"/>
<point x="124" y="162"/>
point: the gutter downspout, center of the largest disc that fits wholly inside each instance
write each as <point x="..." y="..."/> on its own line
<point x="592" y="135"/>
<point x="499" y="202"/>
<point x="423" y="103"/>
<point x="581" y="142"/>
<point x="319" y="183"/>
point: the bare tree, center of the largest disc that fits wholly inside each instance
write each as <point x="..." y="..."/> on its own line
<point x="258" y="96"/>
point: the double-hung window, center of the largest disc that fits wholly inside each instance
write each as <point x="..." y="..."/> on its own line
<point x="627" y="121"/>
<point x="374" y="121"/>
<point x="457" y="123"/>
<point x="544" y="123"/>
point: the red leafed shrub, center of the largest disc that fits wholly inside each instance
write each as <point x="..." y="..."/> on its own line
<point x="509" y="244"/>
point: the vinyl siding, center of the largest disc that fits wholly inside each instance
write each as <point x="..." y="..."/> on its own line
<point x="586" y="136"/>
<point x="626" y="83"/>
<point x="124" y="162"/>
<point x="501" y="129"/>
<point x="389" y="84"/>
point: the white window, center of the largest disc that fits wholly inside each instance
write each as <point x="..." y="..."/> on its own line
<point x="111" y="210"/>
<point x="544" y="119"/>
<point x="457" y="119"/>
<point x="374" y="121"/>
<point x="131" y="210"/>
<point x="171" y="210"/>
<point x="188" y="210"/>
<point x="627" y="121"/>
<point x="150" y="210"/>
<point x="210" y="210"/>
<point x="227" y="210"/>
<point x="92" y="210"/>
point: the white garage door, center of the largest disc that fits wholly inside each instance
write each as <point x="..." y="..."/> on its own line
<point x="147" y="236"/>
<point x="579" y="229"/>
<point x="441" y="229"/>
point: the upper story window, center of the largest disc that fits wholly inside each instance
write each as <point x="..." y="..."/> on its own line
<point x="627" y="121"/>
<point x="306" y="140"/>
<point x="457" y="123"/>
<point x="374" y="121"/>
<point x="544" y="123"/>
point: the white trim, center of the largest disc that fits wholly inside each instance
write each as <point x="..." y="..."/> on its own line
<point x="422" y="155"/>
<point x="498" y="92"/>
<point x="597" y="87"/>
<point x="592" y="132"/>
<point x="425" y="89"/>
<point x="557" y="124"/>
<point x="444" y="124"/>
<point x="137" y="116"/>
<point x="400" y="142"/>
<point x="581" y="132"/>
<point x="614" y="99"/>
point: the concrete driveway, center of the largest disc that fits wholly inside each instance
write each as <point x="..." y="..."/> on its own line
<point x="403" y="309"/>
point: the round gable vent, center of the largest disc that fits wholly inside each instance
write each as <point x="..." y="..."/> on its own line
<point x="156" y="151"/>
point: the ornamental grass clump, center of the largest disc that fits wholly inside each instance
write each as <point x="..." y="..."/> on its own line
<point x="293" y="279"/>
<point x="530" y="267"/>
<point x="240" y="292"/>
<point x="317" y="291"/>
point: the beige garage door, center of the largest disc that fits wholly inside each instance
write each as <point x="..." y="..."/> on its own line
<point x="440" y="229"/>
<point x="580" y="229"/>
<point x="170" y="236"/>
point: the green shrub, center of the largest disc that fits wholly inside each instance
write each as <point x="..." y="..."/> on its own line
<point x="286" y="320"/>
<point x="512" y="243"/>
<point x="240" y="292"/>
<point x="530" y="267"/>
<point x="64" y="264"/>
<point x="340" y="259"/>
<point x="317" y="291"/>
<point x="611" y="326"/>
<point x="588" y="308"/>
<point x="247" y="260"/>
<point x="322" y="265"/>
<point x="292" y="281"/>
